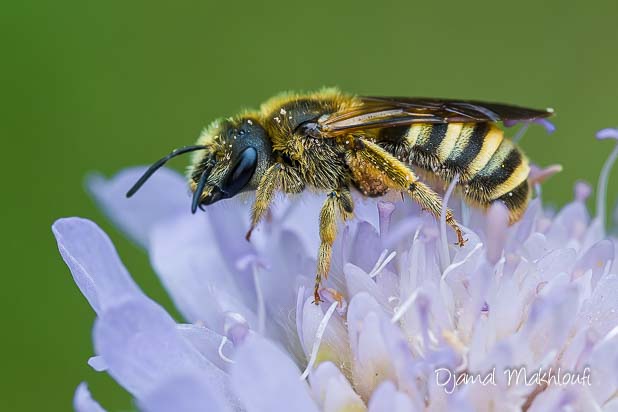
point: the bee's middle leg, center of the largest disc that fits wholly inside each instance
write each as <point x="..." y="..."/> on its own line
<point x="338" y="203"/>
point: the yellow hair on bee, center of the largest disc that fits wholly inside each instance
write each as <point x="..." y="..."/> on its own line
<point x="274" y="104"/>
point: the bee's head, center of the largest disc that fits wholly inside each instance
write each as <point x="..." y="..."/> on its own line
<point x="231" y="157"/>
<point x="237" y="153"/>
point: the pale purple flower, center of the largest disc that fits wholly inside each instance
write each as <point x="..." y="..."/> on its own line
<point x="401" y="302"/>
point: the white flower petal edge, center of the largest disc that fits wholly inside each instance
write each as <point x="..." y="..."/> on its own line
<point x="94" y="263"/>
<point x="83" y="402"/>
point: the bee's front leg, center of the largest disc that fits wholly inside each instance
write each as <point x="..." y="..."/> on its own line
<point x="278" y="177"/>
<point x="264" y="195"/>
<point x="339" y="202"/>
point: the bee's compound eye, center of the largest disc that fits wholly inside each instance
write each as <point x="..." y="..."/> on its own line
<point x="242" y="172"/>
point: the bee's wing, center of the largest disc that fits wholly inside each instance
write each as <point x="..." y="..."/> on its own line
<point x="379" y="112"/>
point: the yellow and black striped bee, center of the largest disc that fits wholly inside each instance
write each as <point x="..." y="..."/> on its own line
<point x="330" y="141"/>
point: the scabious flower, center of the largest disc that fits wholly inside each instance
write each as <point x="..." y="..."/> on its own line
<point x="402" y="303"/>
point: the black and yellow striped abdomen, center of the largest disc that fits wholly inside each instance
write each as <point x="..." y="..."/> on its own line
<point x="490" y="166"/>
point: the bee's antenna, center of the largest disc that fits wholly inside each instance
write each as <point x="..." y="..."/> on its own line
<point x="157" y="165"/>
<point x="199" y="189"/>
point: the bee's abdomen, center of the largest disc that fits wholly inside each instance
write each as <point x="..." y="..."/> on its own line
<point x="490" y="166"/>
<point x="516" y="200"/>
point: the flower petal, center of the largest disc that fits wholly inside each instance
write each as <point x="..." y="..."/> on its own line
<point x="599" y="311"/>
<point x="602" y="365"/>
<point x="569" y="226"/>
<point x="367" y="247"/>
<point x="524" y="228"/>
<point x="549" y="321"/>
<point x="387" y="399"/>
<point x="540" y="175"/>
<point x="229" y="221"/>
<point x="143" y="348"/>
<point x="148" y="207"/>
<point x="582" y="190"/>
<point x="357" y="281"/>
<point x="83" y="402"/>
<point x="608" y="133"/>
<point x="600" y="255"/>
<point x="207" y="342"/>
<point x="373" y="363"/>
<point x="201" y="285"/>
<point x="94" y="263"/>
<point x="359" y="307"/>
<point x="266" y="380"/>
<point x="288" y="263"/>
<point x="301" y="217"/>
<point x="333" y="391"/>
<point x="184" y="393"/>
<point x="547" y="124"/>
<point x="97" y="363"/>
<point x="497" y="224"/>
<point x="559" y="398"/>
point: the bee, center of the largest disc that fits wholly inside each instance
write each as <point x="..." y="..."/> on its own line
<point x="330" y="141"/>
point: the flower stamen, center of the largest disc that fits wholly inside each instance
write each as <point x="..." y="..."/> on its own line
<point x="404" y="307"/>
<point x="465" y="212"/>
<point x="521" y="132"/>
<point x="318" y="339"/>
<point x="385" y="211"/>
<point x="539" y="175"/>
<point x="582" y="191"/>
<point x="381" y="263"/>
<point x="299" y="311"/>
<point x="603" y="134"/>
<point x="224" y="340"/>
<point x="445" y="259"/>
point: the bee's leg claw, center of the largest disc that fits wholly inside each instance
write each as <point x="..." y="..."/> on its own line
<point x="249" y="232"/>
<point x="460" y="239"/>
<point x="316" y="289"/>
<point x="316" y="294"/>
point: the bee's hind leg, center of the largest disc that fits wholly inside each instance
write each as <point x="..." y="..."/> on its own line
<point x="375" y="162"/>
<point x="431" y="201"/>
<point x="339" y="202"/>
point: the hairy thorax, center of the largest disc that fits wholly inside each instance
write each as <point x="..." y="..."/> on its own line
<point x="320" y="162"/>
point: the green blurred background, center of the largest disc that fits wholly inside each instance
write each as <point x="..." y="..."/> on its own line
<point x="108" y="84"/>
